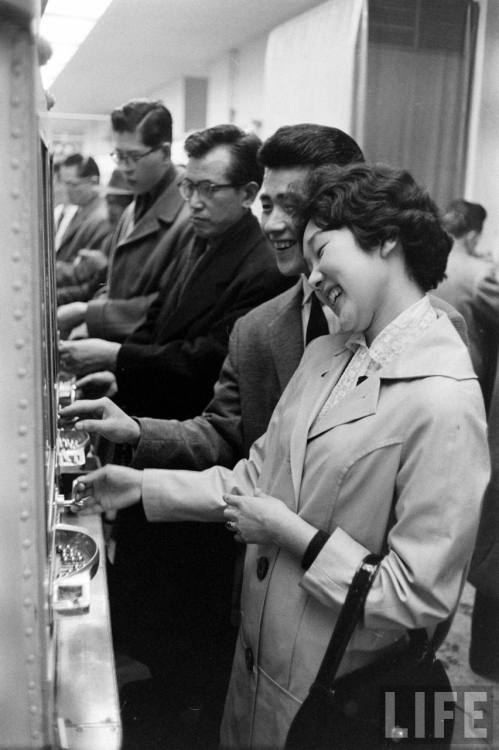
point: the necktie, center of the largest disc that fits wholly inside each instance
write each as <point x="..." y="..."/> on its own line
<point x="317" y="323"/>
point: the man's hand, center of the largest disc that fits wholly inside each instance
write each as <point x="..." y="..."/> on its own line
<point x="105" y="418"/>
<point x="109" y="488"/>
<point x="97" y="385"/>
<point x="92" y="261"/>
<point x="69" y="316"/>
<point x="88" y="355"/>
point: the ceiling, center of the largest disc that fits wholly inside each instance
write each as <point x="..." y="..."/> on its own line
<point x="139" y="46"/>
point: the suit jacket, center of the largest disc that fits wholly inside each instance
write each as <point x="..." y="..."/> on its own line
<point x="168" y="366"/>
<point x="87" y="229"/>
<point x="393" y="454"/>
<point x="142" y="257"/>
<point x="265" y="349"/>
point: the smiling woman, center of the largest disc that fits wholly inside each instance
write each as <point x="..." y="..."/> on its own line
<point x="374" y="242"/>
<point x="367" y="452"/>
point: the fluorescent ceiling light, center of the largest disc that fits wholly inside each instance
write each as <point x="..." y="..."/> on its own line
<point x="65" y="24"/>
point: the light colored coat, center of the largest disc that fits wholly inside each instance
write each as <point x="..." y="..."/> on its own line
<point x="404" y="439"/>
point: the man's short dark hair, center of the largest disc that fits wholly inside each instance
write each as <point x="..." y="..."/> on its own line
<point x="86" y="165"/>
<point x="151" y="120"/>
<point x="308" y="145"/>
<point x="377" y="204"/>
<point x="461" y="217"/>
<point x="243" y="148"/>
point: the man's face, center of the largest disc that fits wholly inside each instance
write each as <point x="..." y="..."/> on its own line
<point x="142" y="167"/>
<point x="281" y="196"/>
<point x="215" y="210"/>
<point x="80" y="190"/>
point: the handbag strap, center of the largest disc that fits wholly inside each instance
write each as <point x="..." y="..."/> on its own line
<point x="348" y="618"/>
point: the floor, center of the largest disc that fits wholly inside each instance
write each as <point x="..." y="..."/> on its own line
<point x="454" y="654"/>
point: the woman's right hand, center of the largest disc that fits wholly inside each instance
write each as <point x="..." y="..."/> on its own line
<point x="105" y="418"/>
<point x="107" y="489"/>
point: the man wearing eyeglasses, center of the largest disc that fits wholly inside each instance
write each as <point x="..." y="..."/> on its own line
<point x="145" y="247"/>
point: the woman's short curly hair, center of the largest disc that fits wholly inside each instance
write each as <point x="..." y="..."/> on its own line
<point x="378" y="203"/>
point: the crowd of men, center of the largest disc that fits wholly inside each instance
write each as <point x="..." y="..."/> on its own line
<point x="193" y="316"/>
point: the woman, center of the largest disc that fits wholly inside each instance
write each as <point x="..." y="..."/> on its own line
<point x="369" y="447"/>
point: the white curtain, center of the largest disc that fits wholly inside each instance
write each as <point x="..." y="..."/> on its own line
<point x="315" y="68"/>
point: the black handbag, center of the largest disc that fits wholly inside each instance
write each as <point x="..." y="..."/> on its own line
<point x="387" y="704"/>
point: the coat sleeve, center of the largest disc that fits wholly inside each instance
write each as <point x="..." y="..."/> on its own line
<point x="214" y="438"/>
<point x="116" y="319"/>
<point x="198" y="495"/>
<point x="442" y="475"/>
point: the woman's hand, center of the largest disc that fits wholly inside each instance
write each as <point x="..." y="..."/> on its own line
<point x="257" y="518"/>
<point x="109" y="488"/>
<point x="103" y="417"/>
<point x="263" y="519"/>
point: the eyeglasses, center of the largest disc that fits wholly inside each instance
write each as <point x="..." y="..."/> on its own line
<point x="131" y="157"/>
<point x="204" y="188"/>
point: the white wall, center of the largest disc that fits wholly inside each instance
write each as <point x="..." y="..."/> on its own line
<point x="235" y="89"/>
<point x="484" y="167"/>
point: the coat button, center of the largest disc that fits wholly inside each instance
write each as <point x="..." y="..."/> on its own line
<point x="248" y="655"/>
<point x="262" y="567"/>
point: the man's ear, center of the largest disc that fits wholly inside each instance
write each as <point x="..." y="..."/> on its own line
<point x="249" y="191"/>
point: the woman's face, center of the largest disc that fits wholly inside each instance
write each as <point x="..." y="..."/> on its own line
<point x="350" y="280"/>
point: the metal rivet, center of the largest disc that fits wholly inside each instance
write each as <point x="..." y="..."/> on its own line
<point x="33" y="709"/>
<point x="22" y="429"/>
<point x="20" y="343"/>
<point x="27" y="543"/>
<point x="23" y="458"/>
<point x="16" y="228"/>
<point x="24" y="515"/>
<point x="17" y="285"/>
<point x="30" y="658"/>
<point x="23" y="402"/>
<point x="27" y="602"/>
<point x="23" y="485"/>
<point x="16" y="256"/>
<point x="27" y="573"/>
<point x="15" y="132"/>
<point x="14" y="163"/>
<point x="28" y="632"/>
<point x="21" y="373"/>
<point x="35" y="735"/>
<point x="15" y="193"/>
<point x="15" y="101"/>
<point x="31" y="685"/>
<point x="18" y="313"/>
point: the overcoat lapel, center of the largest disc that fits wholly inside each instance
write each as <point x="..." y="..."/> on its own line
<point x="164" y="211"/>
<point x="212" y="276"/>
<point x="328" y="364"/>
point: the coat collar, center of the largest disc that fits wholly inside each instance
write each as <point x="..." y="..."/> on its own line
<point x="215" y="271"/>
<point x="163" y="211"/>
<point x="439" y="351"/>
